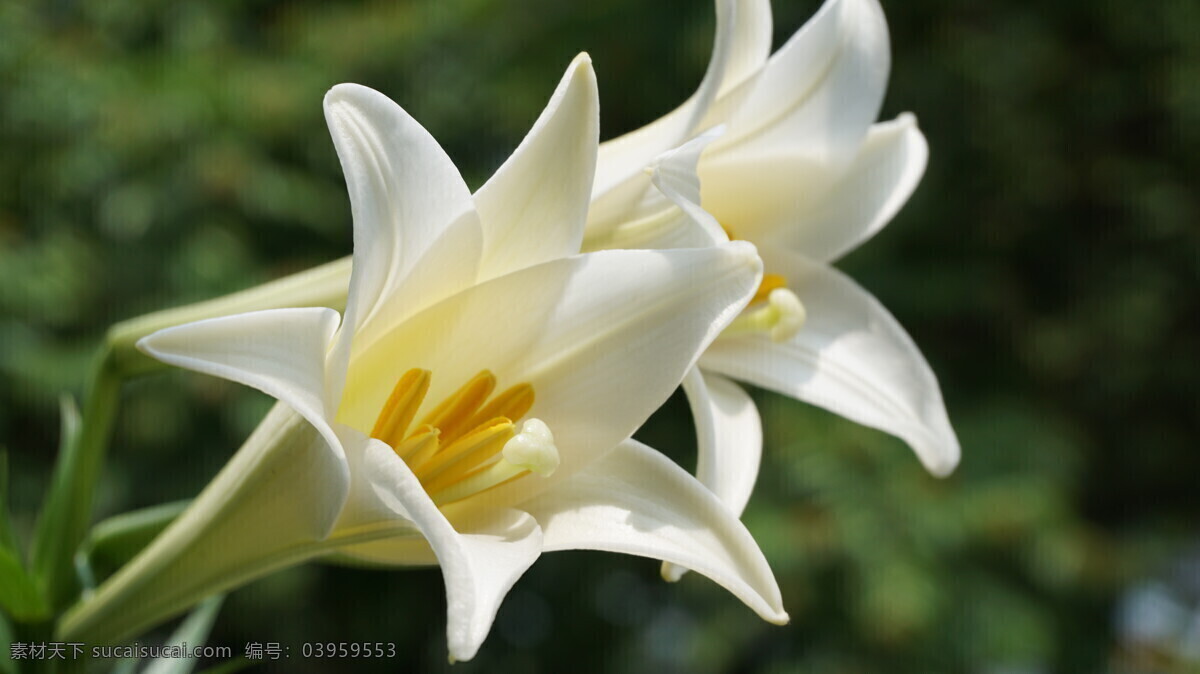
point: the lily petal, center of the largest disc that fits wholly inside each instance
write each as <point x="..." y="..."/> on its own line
<point x="851" y="358"/>
<point x="750" y="41"/>
<point x="636" y="501"/>
<point x="670" y="216"/>
<point x="742" y="40"/>
<point x="884" y="174"/>
<point x="728" y="443"/>
<point x="280" y="352"/>
<point x="534" y="207"/>
<point x="603" y="338"/>
<point x="819" y="93"/>
<point x="479" y="565"/>
<point x="801" y="204"/>
<point x="411" y="210"/>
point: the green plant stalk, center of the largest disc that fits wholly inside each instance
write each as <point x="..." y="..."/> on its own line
<point x="67" y="510"/>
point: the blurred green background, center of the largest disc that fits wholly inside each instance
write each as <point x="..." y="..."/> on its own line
<point x="156" y="153"/>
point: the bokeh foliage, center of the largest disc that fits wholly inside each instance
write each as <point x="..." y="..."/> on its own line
<point x="156" y="153"/>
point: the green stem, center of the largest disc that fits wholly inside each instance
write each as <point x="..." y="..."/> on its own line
<point x="67" y="510"/>
<point x="68" y="507"/>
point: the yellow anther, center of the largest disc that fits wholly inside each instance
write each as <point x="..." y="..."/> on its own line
<point x="513" y="403"/>
<point x="418" y="447"/>
<point x="465" y="446"/>
<point x="531" y="450"/>
<point x="401" y="407"/>
<point x="770" y="282"/>
<point x="465" y="454"/>
<point x="452" y="415"/>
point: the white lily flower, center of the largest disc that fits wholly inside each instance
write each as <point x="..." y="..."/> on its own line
<point x="783" y="152"/>
<point x="390" y="442"/>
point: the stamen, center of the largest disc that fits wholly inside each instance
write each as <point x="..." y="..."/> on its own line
<point x="782" y="318"/>
<point x="465" y="446"/>
<point x="452" y="414"/>
<point x="418" y="447"/>
<point x="465" y="454"/>
<point x="531" y="450"/>
<point x="513" y="403"/>
<point x="401" y="407"/>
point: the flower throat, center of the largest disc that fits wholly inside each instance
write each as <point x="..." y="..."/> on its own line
<point x="467" y="444"/>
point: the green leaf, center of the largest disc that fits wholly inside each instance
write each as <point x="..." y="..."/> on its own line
<point x="116" y="540"/>
<point x="67" y="510"/>
<point x="7" y="539"/>
<point x="193" y="632"/>
<point x="19" y="594"/>
<point x="7" y="664"/>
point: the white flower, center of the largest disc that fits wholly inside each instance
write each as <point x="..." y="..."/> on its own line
<point x="783" y="152"/>
<point x="391" y="442"/>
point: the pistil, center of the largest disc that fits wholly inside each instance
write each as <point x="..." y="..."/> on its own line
<point x="781" y="318"/>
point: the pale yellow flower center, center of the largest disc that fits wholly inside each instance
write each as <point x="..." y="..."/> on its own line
<point x="774" y="310"/>
<point x="466" y="444"/>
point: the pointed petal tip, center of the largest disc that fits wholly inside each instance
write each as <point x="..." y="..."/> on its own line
<point x="781" y="618"/>
<point x="343" y="91"/>
<point x="943" y="466"/>
<point x="144" y="346"/>
<point x="939" y="452"/>
<point x="580" y="71"/>
<point x="350" y="94"/>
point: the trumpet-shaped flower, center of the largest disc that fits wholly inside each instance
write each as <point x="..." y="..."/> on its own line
<point x="782" y="151"/>
<point x="474" y="406"/>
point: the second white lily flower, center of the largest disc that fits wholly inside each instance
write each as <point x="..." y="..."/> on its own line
<point x="782" y="150"/>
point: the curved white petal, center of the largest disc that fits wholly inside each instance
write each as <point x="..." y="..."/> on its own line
<point x="802" y="205"/>
<point x="406" y="196"/>
<point x="480" y="565"/>
<point x="743" y="38"/>
<point x="728" y="443"/>
<point x="273" y="505"/>
<point x="603" y="338"/>
<point x="750" y="41"/>
<point x="851" y="358"/>
<point x="728" y="435"/>
<point x="636" y="501"/>
<point x="669" y="216"/>
<point x="534" y="207"/>
<point x="818" y="94"/>
<point x="674" y="174"/>
<point x="883" y="175"/>
<point x="280" y="352"/>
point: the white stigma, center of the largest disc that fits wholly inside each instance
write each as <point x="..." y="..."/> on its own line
<point x="790" y="314"/>
<point x="781" y="318"/>
<point x="533" y="448"/>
